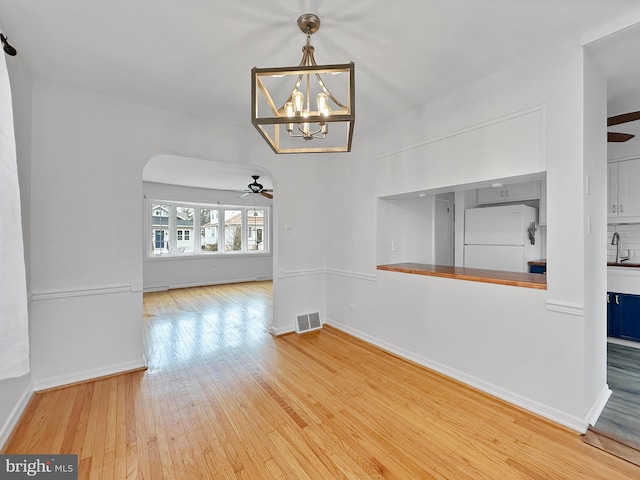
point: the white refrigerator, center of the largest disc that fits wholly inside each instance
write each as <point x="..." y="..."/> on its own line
<point x="501" y="237"/>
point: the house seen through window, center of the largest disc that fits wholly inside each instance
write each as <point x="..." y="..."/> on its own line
<point x="223" y="229"/>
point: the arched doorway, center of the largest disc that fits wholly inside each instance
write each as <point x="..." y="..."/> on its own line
<point x="205" y="222"/>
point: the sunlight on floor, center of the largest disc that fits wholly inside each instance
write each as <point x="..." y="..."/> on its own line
<point x="182" y="328"/>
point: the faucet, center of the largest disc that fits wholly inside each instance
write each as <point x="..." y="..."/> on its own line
<point x="616" y="241"/>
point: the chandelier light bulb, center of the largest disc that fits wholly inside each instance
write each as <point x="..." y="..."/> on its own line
<point x="290" y="113"/>
<point x="323" y="103"/>
<point x="298" y="101"/>
<point x="290" y="109"/>
<point x="323" y="109"/>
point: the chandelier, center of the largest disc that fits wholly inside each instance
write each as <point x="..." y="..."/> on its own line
<point x="294" y="108"/>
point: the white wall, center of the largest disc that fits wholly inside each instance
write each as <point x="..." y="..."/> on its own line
<point x="511" y="145"/>
<point x="526" y="346"/>
<point x="595" y="228"/>
<point x="405" y="230"/>
<point x="88" y="155"/>
<point x="352" y="239"/>
<point x="177" y="272"/>
<point x="300" y="231"/>
<point x="89" y="151"/>
<point x="15" y="392"/>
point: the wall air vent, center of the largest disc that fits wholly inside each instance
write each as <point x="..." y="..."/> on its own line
<point x="308" y="322"/>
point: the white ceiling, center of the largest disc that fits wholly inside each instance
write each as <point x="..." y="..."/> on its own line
<point x="195" y="56"/>
<point x="619" y="56"/>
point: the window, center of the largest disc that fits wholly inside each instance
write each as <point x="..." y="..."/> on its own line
<point x="159" y="228"/>
<point x="233" y="230"/>
<point x="224" y="229"/>
<point x="184" y="221"/>
<point x="208" y="230"/>
<point x="255" y="229"/>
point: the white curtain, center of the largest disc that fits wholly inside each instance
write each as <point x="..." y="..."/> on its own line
<point x="14" y="329"/>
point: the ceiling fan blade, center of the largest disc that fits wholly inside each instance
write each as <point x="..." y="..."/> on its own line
<point x="624" y="118"/>
<point x="265" y="194"/>
<point x="243" y="195"/>
<point x="618" y="137"/>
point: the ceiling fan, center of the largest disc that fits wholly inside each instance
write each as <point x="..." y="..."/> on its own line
<point x="617" y="120"/>
<point x="255" y="187"/>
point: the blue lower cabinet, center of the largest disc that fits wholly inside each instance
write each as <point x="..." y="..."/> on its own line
<point x="630" y="317"/>
<point x="613" y="314"/>
<point x="623" y="316"/>
<point x="538" y="269"/>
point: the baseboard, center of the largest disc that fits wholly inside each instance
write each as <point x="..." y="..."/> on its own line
<point x="156" y="288"/>
<point x="281" y="331"/>
<point x="17" y="411"/>
<point x="623" y="342"/>
<point x="162" y="288"/>
<point x="574" y="423"/>
<point x="598" y="405"/>
<point x="85" y="375"/>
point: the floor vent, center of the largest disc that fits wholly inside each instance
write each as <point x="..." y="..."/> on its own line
<point x="308" y="322"/>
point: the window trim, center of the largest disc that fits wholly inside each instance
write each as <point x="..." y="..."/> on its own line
<point x="175" y="254"/>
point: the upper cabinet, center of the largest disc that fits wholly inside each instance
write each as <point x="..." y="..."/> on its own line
<point x="514" y="192"/>
<point x="623" y="195"/>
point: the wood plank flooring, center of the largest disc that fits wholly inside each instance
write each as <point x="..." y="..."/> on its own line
<point x="621" y="416"/>
<point x="223" y="399"/>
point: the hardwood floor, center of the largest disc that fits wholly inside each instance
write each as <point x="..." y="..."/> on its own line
<point x="224" y="399"/>
<point x="621" y="416"/>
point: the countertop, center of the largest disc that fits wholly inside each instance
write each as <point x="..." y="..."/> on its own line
<point x="542" y="262"/>
<point x="609" y="264"/>
<point x="516" y="279"/>
<point x="623" y="264"/>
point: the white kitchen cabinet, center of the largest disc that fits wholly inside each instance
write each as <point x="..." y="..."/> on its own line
<point x="612" y="190"/>
<point x="514" y="192"/>
<point x="622" y="193"/>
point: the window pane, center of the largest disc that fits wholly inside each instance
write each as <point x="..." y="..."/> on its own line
<point x="208" y="230"/>
<point x="255" y="230"/>
<point x="159" y="228"/>
<point x="232" y="230"/>
<point x="184" y="224"/>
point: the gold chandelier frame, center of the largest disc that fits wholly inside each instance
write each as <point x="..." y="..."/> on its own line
<point x="293" y="126"/>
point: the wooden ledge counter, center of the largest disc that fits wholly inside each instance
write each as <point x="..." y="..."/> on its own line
<point x="516" y="279"/>
<point x="623" y="264"/>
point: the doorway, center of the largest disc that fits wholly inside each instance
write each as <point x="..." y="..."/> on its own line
<point x="444" y="230"/>
<point x="615" y="56"/>
<point x="205" y="222"/>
